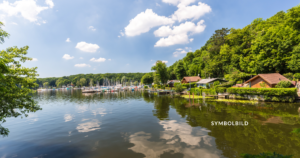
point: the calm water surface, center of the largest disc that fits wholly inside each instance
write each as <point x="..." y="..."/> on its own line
<point x="137" y="125"/>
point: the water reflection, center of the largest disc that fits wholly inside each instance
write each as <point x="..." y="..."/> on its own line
<point x="88" y="126"/>
<point x="137" y="124"/>
<point x="153" y="149"/>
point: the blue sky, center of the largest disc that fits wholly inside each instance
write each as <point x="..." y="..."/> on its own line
<point x="69" y="37"/>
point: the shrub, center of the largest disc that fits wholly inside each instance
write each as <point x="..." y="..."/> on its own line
<point x="175" y="84"/>
<point x="264" y="91"/>
<point x="297" y="76"/>
<point x="266" y="155"/>
<point x="221" y="89"/>
<point x="179" y="88"/>
<point x="146" y="87"/>
<point x="284" y="84"/>
<point x="216" y="83"/>
<point x="289" y="75"/>
<point x="209" y="91"/>
<point x="239" y="82"/>
<point x="227" y="84"/>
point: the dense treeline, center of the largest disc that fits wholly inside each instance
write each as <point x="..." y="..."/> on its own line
<point x="87" y="79"/>
<point x="264" y="46"/>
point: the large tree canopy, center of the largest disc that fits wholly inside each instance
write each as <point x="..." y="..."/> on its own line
<point x="15" y="83"/>
<point x="161" y="71"/>
<point x="264" y="46"/>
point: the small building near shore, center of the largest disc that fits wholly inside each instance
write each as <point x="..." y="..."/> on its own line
<point x="209" y="81"/>
<point x="190" y="79"/>
<point x="266" y="80"/>
<point x="171" y="82"/>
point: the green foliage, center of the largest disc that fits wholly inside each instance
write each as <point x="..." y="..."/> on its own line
<point x="82" y="82"/>
<point x="146" y="87"/>
<point x="264" y="91"/>
<point x="180" y="70"/>
<point x="289" y="75"/>
<point x="297" y="76"/>
<point x="216" y="83"/>
<point x="266" y="155"/>
<point x="190" y="84"/>
<point x="176" y="83"/>
<point x="161" y="71"/>
<point x="284" y="84"/>
<point x="221" y="89"/>
<point x="296" y="131"/>
<point x="227" y="84"/>
<point x="179" y="88"/>
<point x="264" y="85"/>
<point x="16" y="83"/>
<point x="147" y="79"/>
<point x="115" y="77"/>
<point x="264" y="46"/>
<point x="46" y="84"/>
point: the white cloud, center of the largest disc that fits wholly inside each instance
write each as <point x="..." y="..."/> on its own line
<point x="182" y="51"/>
<point x="67" y="57"/>
<point x="81" y="58"/>
<point x="157" y="5"/>
<point x="109" y="59"/>
<point x="191" y="12"/>
<point x="14" y="23"/>
<point x="98" y="60"/>
<point x="192" y="39"/>
<point x="68" y="40"/>
<point x="87" y="47"/>
<point x="144" y="21"/>
<point x="44" y="22"/>
<point x="92" y="28"/>
<point x="119" y="36"/>
<point x="172" y="40"/>
<point x="50" y="3"/>
<point x="178" y="34"/>
<point x="34" y="59"/>
<point x="183" y="28"/>
<point x="179" y="2"/>
<point x="28" y="9"/>
<point x="82" y="65"/>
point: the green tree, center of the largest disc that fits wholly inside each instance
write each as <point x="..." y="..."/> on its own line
<point x="289" y="75"/>
<point x="161" y="71"/>
<point x="180" y="70"/>
<point x="297" y="76"/>
<point x="147" y="79"/>
<point x="15" y="83"/>
<point x="46" y="84"/>
<point x="91" y="82"/>
<point x="82" y="82"/>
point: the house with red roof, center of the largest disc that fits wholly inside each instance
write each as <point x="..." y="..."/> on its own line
<point x="266" y="80"/>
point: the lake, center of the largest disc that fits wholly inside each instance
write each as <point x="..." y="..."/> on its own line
<point x="139" y="124"/>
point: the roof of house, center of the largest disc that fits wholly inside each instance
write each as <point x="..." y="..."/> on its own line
<point x="192" y="78"/>
<point x="204" y="81"/>
<point x="272" y="78"/>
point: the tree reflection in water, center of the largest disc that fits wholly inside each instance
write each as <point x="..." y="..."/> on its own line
<point x="269" y="129"/>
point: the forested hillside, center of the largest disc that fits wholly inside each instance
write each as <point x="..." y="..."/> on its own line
<point x="264" y="46"/>
<point x="86" y="79"/>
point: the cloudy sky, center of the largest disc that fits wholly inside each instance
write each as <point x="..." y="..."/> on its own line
<point x="68" y="37"/>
